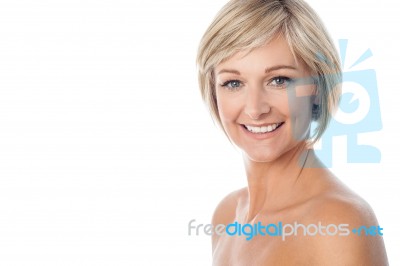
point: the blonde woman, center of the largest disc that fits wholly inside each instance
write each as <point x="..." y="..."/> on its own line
<point x="267" y="69"/>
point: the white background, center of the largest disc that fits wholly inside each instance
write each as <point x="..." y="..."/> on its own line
<point x="106" y="149"/>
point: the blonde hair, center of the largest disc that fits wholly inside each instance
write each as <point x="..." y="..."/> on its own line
<point x="245" y="25"/>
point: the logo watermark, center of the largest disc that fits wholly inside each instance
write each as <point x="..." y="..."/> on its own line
<point x="358" y="112"/>
<point x="279" y="229"/>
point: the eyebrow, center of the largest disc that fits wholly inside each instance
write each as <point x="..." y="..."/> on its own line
<point x="270" y="69"/>
<point x="267" y="70"/>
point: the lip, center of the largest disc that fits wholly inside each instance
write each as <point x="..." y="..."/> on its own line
<point x="261" y="125"/>
<point x="260" y="136"/>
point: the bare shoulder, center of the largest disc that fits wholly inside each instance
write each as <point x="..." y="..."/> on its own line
<point x="341" y="205"/>
<point x="359" y="241"/>
<point x="225" y="211"/>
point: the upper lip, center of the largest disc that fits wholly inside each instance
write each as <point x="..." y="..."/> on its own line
<point x="262" y="125"/>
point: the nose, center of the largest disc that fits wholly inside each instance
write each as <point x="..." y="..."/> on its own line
<point x="256" y="103"/>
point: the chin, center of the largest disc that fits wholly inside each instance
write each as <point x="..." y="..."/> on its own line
<point x="262" y="157"/>
<point x="270" y="154"/>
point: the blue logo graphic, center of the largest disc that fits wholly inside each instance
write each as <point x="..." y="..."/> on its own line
<point x="358" y="112"/>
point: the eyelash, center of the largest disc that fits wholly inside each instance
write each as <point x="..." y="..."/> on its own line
<point x="229" y="82"/>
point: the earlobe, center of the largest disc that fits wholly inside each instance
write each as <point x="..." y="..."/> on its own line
<point x="316" y="111"/>
<point x="316" y="107"/>
<point x="317" y="97"/>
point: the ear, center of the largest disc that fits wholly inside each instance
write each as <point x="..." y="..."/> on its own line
<point x="316" y="107"/>
<point x="317" y="98"/>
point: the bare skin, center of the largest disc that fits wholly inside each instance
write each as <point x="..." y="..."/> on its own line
<point x="283" y="186"/>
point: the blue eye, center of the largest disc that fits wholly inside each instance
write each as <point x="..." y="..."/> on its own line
<point x="232" y="84"/>
<point x="280" y="81"/>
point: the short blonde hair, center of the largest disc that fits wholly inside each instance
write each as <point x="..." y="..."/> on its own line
<point x="248" y="24"/>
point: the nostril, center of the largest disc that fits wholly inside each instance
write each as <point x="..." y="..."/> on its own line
<point x="254" y="116"/>
<point x="255" y="111"/>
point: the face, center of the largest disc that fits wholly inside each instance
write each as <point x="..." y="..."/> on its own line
<point x="265" y="100"/>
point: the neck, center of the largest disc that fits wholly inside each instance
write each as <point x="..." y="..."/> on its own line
<point x="273" y="185"/>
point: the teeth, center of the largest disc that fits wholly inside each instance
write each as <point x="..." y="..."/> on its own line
<point x="264" y="129"/>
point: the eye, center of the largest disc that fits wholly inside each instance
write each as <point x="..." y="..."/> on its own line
<point x="280" y="81"/>
<point x="232" y="84"/>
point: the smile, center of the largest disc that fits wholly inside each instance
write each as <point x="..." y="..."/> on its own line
<point x="263" y="129"/>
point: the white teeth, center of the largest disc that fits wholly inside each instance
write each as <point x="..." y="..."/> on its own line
<point x="263" y="129"/>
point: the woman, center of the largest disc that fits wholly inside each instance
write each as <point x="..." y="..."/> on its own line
<point x="267" y="69"/>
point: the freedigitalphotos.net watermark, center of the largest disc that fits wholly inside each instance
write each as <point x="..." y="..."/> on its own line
<point x="280" y="229"/>
<point x="358" y="111"/>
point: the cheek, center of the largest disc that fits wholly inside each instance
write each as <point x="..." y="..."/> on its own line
<point x="227" y="109"/>
<point x="300" y="103"/>
<point x="300" y="116"/>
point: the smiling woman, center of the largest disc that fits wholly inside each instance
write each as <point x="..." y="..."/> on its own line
<point x="267" y="69"/>
<point x="253" y="103"/>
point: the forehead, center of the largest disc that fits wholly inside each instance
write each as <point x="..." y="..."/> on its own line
<point x="276" y="52"/>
